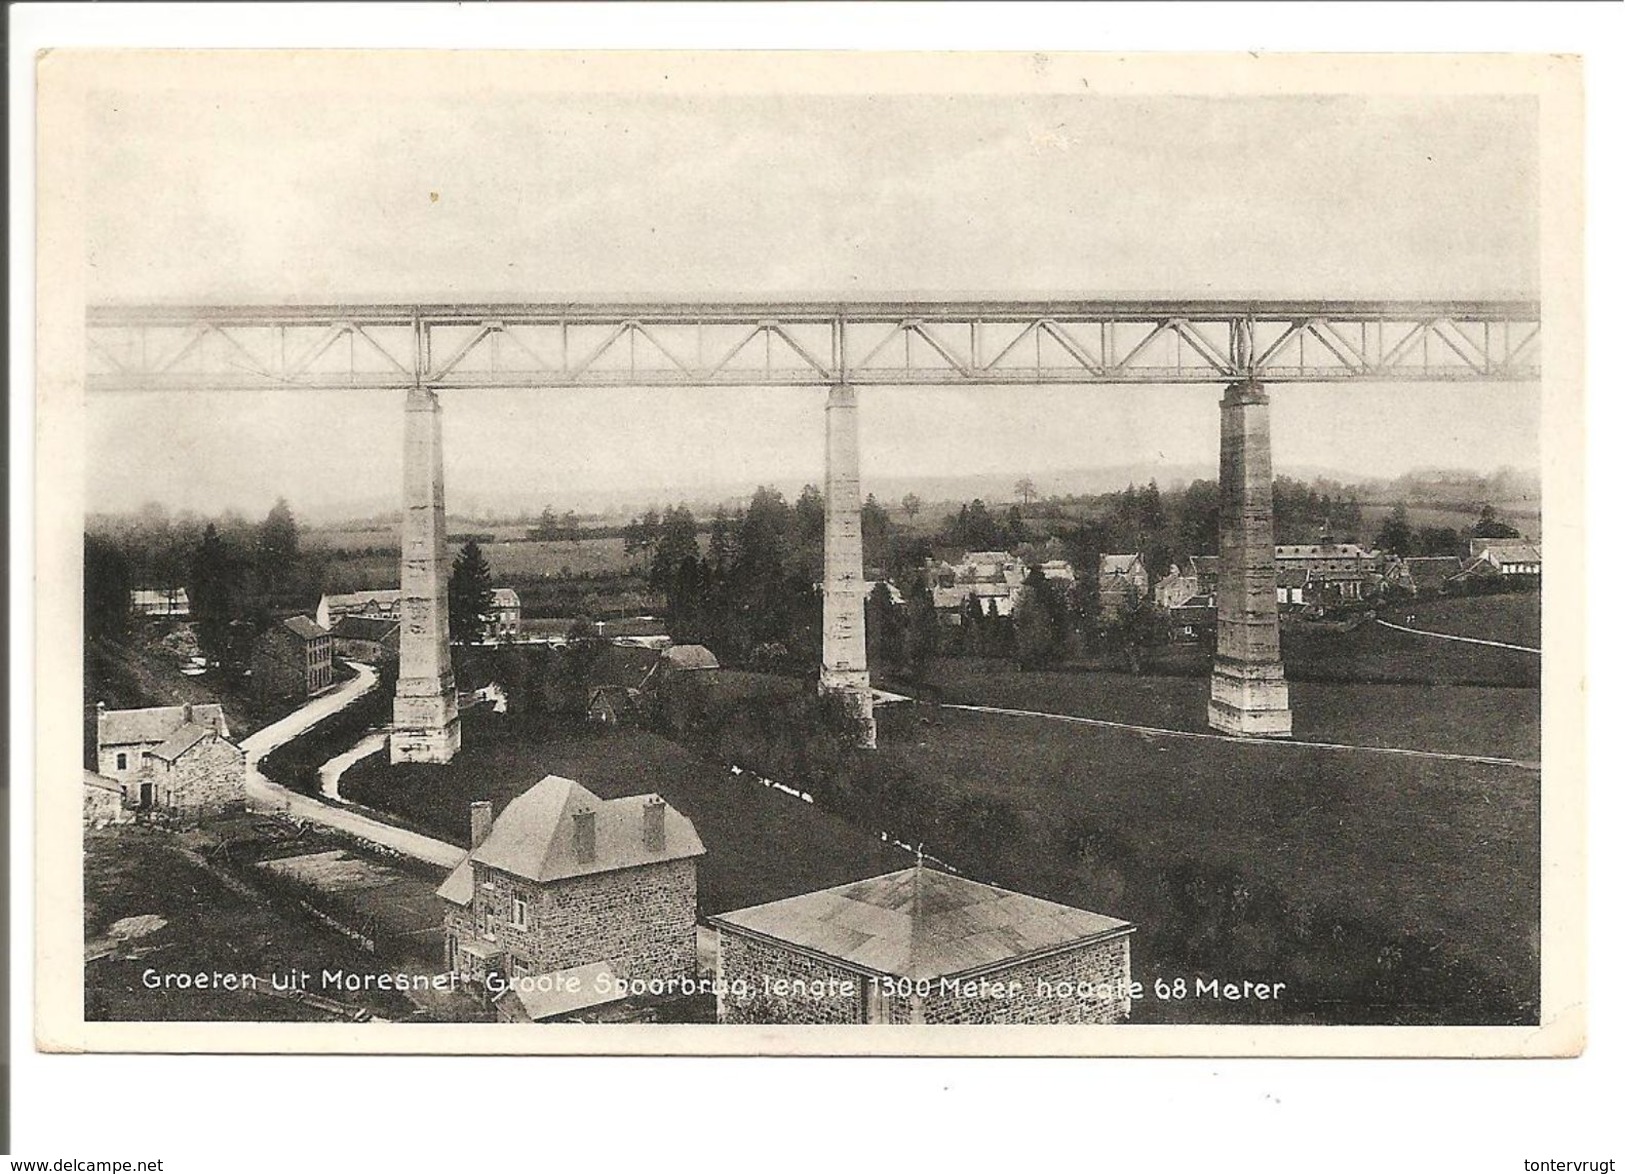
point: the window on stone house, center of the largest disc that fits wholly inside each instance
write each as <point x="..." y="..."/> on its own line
<point x="123" y="762"/>
<point x="521" y="912"/>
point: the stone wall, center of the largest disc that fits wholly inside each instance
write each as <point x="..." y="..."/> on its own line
<point x="638" y="920"/>
<point x="209" y="779"/>
<point x="756" y="964"/>
<point x="1086" y="984"/>
<point x="1018" y="994"/>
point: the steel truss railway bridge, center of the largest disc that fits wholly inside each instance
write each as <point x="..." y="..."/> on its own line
<point x="1243" y="345"/>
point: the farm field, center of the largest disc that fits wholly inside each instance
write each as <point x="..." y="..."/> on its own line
<point x="1453" y="719"/>
<point x="1390" y="850"/>
<point x="1514" y="619"/>
<point x="761" y="844"/>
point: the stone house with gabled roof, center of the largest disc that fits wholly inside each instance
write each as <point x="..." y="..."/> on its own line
<point x="123" y="736"/>
<point x="562" y="879"/>
<point x="173" y="760"/>
<point x="921" y="946"/>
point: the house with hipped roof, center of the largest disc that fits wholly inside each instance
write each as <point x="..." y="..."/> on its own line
<point x="921" y="946"/>
<point x="563" y="884"/>
<point x="174" y="760"/>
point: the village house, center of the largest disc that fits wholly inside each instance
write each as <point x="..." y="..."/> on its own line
<point x="1191" y="621"/>
<point x="613" y="705"/>
<point x="293" y="658"/>
<point x="921" y="946"/>
<point x="1204" y="568"/>
<point x="123" y="736"/>
<point x="1337" y="573"/>
<point x="503" y="622"/>
<point x="1122" y="577"/>
<point x="563" y="880"/>
<point x="1427" y="575"/>
<point x="1174" y="588"/>
<point x="1513" y="557"/>
<point x="369" y="639"/>
<point x="161" y="603"/>
<point x="174" y="760"/>
<point x="372" y="604"/>
<point x="104" y="801"/>
<point x="1291" y="583"/>
<point x="1058" y="571"/>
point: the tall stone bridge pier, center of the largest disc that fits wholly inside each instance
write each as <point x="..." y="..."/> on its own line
<point x="1244" y="346"/>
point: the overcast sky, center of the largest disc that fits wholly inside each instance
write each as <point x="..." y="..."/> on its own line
<point x="292" y="198"/>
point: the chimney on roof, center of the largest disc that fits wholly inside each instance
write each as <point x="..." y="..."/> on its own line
<point x="654" y="824"/>
<point x="186" y="713"/>
<point x="479" y="822"/>
<point x="585" y="836"/>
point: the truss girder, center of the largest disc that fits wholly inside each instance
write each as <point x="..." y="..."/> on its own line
<point x="798" y="344"/>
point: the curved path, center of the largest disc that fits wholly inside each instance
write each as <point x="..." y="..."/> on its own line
<point x="269" y="796"/>
<point x="1461" y="639"/>
<point x="1159" y="731"/>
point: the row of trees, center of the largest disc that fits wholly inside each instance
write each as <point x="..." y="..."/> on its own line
<point x="236" y="574"/>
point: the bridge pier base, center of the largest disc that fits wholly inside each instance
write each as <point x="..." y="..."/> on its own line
<point x="845" y="669"/>
<point x="1248" y="692"/>
<point x="425" y="726"/>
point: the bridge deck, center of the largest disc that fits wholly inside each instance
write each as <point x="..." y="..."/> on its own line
<point x="798" y="343"/>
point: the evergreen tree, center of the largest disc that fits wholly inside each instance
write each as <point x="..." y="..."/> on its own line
<point x="1396" y="536"/>
<point x="884" y="628"/>
<point x="1490" y="526"/>
<point x="922" y="626"/>
<point x="213" y="592"/>
<point x="107" y="588"/>
<point x="676" y="541"/>
<point x="469" y="594"/>
<point x="1040" y="635"/>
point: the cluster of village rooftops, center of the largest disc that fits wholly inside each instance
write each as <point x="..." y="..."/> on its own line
<point x="569" y="907"/>
<point x="1309" y="577"/>
<point x="294" y="657"/>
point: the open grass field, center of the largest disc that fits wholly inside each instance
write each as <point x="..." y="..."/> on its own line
<point x="1372" y="653"/>
<point x="1452" y="719"/>
<point x="761" y="844"/>
<point x="1514" y="619"/>
<point x="1440" y="853"/>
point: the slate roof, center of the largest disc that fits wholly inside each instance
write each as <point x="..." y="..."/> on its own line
<point x="1431" y="570"/>
<point x="1513" y="552"/>
<point x="101" y="782"/>
<point x="304" y="627"/>
<point x="623" y="665"/>
<point x="505" y="597"/>
<point x="1119" y="564"/>
<point x="922" y="924"/>
<point x="1291" y="576"/>
<point x="376" y="628"/>
<point x="125" y="727"/>
<point x="362" y="598"/>
<point x="534" y="837"/>
<point x="1322" y="550"/>
<point x="182" y="740"/>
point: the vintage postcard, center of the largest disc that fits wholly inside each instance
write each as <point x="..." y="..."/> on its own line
<point x="759" y="553"/>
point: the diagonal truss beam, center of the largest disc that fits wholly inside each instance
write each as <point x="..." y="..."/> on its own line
<point x="799" y="343"/>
